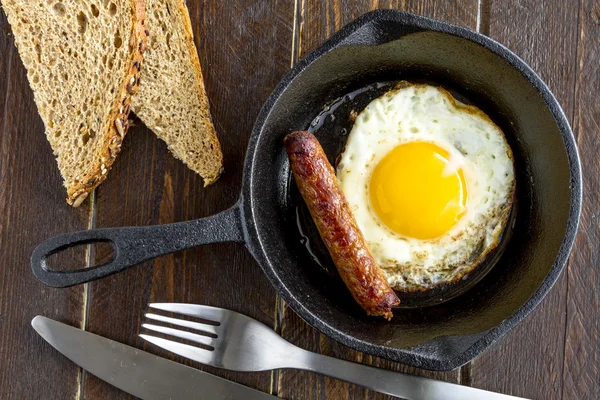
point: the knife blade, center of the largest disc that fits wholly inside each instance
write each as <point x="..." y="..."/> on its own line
<point x="137" y="372"/>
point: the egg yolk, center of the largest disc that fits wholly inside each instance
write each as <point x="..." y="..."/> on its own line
<point x="417" y="192"/>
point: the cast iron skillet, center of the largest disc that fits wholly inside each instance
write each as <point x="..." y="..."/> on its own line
<point x="384" y="46"/>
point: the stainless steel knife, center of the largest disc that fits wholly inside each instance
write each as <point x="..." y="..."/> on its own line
<point x="137" y="372"/>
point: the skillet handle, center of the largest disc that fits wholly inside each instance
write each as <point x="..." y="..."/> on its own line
<point x="134" y="245"/>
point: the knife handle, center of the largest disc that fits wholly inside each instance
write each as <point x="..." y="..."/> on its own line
<point x="134" y="245"/>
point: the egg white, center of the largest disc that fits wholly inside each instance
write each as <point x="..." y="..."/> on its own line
<point x="418" y="112"/>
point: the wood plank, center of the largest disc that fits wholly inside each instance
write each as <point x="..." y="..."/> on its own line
<point x="32" y="208"/>
<point x="528" y="362"/>
<point x="244" y="50"/>
<point x="581" y="371"/>
<point x="317" y="20"/>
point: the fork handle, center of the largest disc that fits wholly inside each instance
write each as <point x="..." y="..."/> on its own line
<point x="392" y="383"/>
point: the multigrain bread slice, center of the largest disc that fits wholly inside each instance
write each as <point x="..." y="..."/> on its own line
<point x="172" y="100"/>
<point x="83" y="61"/>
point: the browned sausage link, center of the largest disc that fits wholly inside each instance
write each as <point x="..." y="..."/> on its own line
<point x="319" y="187"/>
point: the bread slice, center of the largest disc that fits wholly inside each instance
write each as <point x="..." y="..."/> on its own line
<point x="83" y="60"/>
<point x="172" y="100"/>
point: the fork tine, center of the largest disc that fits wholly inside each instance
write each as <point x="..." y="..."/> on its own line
<point x="193" y="310"/>
<point x="193" y="353"/>
<point x="205" y="328"/>
<point x="205" y="340"/>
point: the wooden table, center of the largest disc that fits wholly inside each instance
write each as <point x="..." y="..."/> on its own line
<point x="245" y="48"/>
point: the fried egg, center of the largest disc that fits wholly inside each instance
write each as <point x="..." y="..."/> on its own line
<point x="430" y="182"/>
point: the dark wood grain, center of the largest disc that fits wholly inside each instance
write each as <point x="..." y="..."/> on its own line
<point x="581" y="370"/>
<point x="316" y="21"/>
<point x="245" y="47"/>
<point x="32" y="208"/>
<point x="244" y="50"/>
<point x="528" y="361"/>
<point x="319" y="19"/>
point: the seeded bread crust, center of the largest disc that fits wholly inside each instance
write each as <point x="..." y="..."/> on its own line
<point x="118" y="123"/>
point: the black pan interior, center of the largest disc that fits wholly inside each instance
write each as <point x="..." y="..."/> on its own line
<point x="446" y="335"/>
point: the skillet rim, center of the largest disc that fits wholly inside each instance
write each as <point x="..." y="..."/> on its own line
<point x="403" y="355"/>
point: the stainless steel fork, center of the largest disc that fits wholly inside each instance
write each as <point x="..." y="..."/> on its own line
<point x="236" y="342"/>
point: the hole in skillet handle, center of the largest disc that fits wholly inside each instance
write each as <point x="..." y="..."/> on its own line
<point x="72" y="258"/>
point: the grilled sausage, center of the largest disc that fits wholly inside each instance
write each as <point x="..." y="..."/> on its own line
<point x="331" y="213"/>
